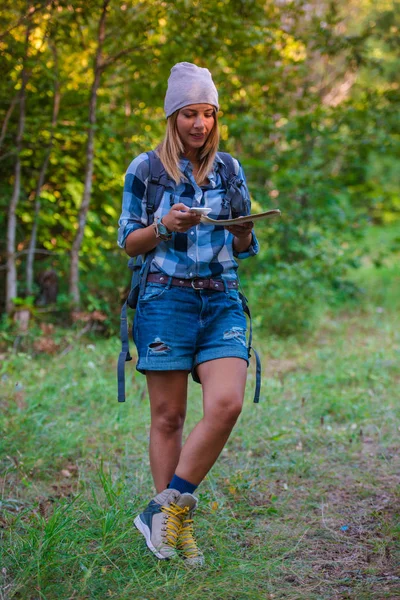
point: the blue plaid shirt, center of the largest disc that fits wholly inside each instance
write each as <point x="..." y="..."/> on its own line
<point x="202" y="251"/>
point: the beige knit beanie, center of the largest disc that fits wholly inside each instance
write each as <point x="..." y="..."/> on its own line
<point x="189" y="84"/>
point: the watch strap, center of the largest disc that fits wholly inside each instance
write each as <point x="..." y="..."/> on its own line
<point x="161" y="230"/>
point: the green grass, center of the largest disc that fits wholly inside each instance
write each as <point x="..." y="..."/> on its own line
<point x="301" y="504"/>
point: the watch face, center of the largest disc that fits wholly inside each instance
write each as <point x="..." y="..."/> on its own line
<point x="163" y="232"/>
<point x="162" y="229"/>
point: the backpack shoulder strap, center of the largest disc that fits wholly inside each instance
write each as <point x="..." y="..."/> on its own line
<point x="228" y="161"/>
<point x="228" y="169"/>
<point x="232" y="183"/>
<point x="157" y="182"/>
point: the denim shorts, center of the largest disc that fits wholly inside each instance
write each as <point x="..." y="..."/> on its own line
<point x="177" y="328"/>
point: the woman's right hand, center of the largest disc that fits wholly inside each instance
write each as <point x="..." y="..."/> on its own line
<point x="180" y="218"/>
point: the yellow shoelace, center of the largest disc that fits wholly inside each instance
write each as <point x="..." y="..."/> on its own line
<point x="187" y="543"/>
<point x="173" y="522"/>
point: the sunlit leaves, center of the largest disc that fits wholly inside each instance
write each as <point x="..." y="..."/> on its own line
<point x="277" y="66"/>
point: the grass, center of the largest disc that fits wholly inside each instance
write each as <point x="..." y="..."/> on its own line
<point x="301" y="504"/>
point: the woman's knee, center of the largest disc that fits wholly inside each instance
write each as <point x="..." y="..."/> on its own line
<point x="225" y="410"/>
<point x="168" y="393"/>
<point x="168" y="420"/>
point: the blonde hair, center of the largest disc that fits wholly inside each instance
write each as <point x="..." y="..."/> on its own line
<point x="171" y="149"/>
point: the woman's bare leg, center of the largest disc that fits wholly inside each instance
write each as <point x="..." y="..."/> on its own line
<point x="168" y="396"/>
<point x="223" y="381"/>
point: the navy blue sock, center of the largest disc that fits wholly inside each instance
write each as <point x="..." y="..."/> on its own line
<point x="183" y="486"/>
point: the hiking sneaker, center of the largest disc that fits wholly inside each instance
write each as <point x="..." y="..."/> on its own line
<point x="161" y="522"/>
<point x="187" y="544"/>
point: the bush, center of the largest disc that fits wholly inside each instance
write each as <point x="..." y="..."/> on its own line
<point x="305" y="255"/>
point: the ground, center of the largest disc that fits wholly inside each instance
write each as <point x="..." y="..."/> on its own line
<point x="303" y="503"/>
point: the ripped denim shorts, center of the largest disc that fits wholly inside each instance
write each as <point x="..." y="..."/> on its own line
<point x="177" y="328"/>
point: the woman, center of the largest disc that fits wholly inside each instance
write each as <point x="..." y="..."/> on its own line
<point x="189" y="318"/>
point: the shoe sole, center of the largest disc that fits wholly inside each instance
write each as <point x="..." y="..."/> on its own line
<point x="145" y="531"/>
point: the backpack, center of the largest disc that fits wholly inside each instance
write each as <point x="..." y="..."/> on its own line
<point x="157" y="182"/>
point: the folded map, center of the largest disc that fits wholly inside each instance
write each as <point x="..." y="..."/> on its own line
<point x="239" y="220"/>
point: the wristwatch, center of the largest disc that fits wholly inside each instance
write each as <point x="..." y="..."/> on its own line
<point x="161" y="231"/>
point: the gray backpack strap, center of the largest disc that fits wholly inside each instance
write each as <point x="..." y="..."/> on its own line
<point x="240" y="205"/>
<point x="124" y="355"/>
<point x="157" y="182"/>
<point x="229" y="164"/>
<point x="250" y="348"/>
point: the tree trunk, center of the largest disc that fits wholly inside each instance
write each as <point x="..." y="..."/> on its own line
<point x="11" y="288"/>
<point x="87" y="191"/>
<point x="42" y="174"/>
<point x="7" y="118"/>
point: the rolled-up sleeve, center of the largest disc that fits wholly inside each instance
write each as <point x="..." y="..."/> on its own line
<point x="252" y="250"/>
<point x="254" y="247"/>
<point x="134" y="214"/>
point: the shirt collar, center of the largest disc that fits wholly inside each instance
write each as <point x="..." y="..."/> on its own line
<point x="185" y="163"/>
<point x="218" y="159"/>
<point x="187" y="168"/>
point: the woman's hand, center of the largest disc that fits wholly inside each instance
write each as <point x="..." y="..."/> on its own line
<point x="241" y="230"/>
<point x="242" y="235"/>
<point x="180" y="218"/>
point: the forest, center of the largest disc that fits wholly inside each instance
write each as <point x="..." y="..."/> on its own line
<point x="309" y="104"/>
<point x="302" y="503"/>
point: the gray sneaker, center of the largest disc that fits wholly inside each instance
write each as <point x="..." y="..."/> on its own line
<point x="161" y="522"/>
<point x="187" y="544"/>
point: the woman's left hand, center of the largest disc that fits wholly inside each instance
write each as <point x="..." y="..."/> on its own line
<point x="241" y="230"/>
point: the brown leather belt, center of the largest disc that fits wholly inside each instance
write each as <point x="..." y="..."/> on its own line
<point x="198" y="283"/>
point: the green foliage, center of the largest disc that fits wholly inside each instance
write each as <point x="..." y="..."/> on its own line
<point x="305" y="256"/>
<point x="309" y="98"/>
<point x="27" y="302"/>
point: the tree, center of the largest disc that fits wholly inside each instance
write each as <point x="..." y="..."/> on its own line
<point x="97" y="72"/>
<point x="100" y="64"/>
<point x="42" y="175"/>
<point x="11" y="290"/>
<point x="308" y="103"/>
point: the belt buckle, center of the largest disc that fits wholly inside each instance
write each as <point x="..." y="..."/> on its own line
<point x="193" y="284"/>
